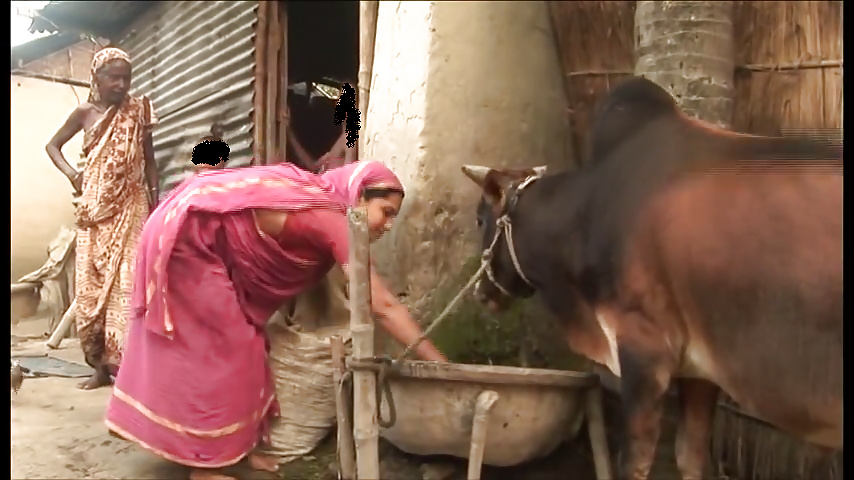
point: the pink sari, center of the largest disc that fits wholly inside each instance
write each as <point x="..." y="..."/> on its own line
<point x="194" y="386"/>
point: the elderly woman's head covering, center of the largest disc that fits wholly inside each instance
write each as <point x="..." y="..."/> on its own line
<point x="101" y="58"/>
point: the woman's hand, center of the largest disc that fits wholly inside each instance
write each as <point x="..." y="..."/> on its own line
<point x="430" y="353"/>
<point x="153" y="199"/>
<point x="77" y="182"/>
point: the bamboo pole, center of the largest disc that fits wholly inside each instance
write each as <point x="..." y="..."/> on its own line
<point x="284" y="112"/>
<point x="274" y="42"/>
<point x="365" y="427"/>
<point x="52" y="78"/>
<point x="64" y="326"/>
<point x="346" y="455"/>
<point x="258" y="104"/>
<point x="368" y="12"/>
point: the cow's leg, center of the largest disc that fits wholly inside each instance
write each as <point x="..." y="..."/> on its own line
<point x="645" y="377"/>
<point x="698" y="399"/>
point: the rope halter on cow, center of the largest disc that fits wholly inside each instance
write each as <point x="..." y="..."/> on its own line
<point x="503" y="224"/>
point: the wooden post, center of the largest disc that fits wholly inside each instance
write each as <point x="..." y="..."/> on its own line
<point x="284" y="112"/>
<point x="346" y="456"/>
<point x="480" y="425"/>
<point x="258" y="103"/>
<point x="368" y="12"/>
<point x="596" y="431"/>
<point x="365" y="428"/>
<point x="274" y="42"/>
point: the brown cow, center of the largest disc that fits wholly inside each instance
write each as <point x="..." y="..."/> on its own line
<point x="702" y="257"/>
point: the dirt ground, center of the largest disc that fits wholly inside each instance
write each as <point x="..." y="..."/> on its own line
<point x="58" y="433"/>
<point x="58" y="429"/>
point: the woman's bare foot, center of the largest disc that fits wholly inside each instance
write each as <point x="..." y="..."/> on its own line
<point x="101" y="378"/>
<point x="207" y="474"/>
<point x="260" y="461"/>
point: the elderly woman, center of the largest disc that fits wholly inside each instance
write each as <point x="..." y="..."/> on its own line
<point x="117" y="187"/>
<point x="216" y="259"/>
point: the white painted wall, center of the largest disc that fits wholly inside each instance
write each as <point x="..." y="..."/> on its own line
<point x="41" y="195"/>
<point x="456" y="83"/>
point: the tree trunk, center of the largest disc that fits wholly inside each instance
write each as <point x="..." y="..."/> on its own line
<point x="687" y="47"/>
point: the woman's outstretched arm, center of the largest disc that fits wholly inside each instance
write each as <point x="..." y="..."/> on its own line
<point x="330" y="231"/>
<point x="394" y="318"/>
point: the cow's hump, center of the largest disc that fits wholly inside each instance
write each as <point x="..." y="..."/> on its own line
<point x="625" y="110"/>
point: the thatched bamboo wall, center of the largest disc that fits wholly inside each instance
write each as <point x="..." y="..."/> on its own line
<point x="596" y="44"/>
<point x="788" y="65"/>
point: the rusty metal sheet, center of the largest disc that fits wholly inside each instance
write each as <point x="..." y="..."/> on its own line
<point x="195" y="60"/>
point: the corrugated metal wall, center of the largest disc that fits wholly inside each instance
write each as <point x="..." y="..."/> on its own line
<point x="195" y="60"/>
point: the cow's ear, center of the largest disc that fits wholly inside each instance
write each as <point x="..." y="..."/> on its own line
<point x="476" y="173"/>
<point x="493" y="182"/>
<point x="497" y="183"/>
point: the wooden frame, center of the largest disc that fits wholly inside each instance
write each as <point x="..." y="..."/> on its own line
<point x="270" y="106"/>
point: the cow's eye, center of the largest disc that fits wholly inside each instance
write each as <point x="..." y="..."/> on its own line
<point x="479" y="223"/>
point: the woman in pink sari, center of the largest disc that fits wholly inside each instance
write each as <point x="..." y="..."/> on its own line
<point x="223" y="251"/>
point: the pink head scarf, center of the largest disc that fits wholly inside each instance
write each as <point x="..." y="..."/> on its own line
<point x="351" y="180"/>
<point x="338" y="188"/>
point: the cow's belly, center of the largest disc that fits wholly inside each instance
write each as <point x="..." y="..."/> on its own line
<point x="816" y="420"/>
<point x="829" y="437"/>
<point x="819" y="424"/>
<point x="699" y="362"/>
<point x="816" y="417"/>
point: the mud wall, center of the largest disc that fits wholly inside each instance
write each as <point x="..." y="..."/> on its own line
<point x="490" y="93"/>
<point x="40" y="194"/>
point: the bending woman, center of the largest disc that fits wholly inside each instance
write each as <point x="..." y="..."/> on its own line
<point x="222" y="252"/>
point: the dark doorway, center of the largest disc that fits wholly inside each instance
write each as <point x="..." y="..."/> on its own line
<point x="323" y="53"/>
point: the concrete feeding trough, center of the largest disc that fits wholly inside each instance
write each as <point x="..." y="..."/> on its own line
<point x="500" y="416"/>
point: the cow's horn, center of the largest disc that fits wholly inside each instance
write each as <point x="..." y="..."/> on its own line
<point x="476" y="173"/>
<point x="540" y="171"/>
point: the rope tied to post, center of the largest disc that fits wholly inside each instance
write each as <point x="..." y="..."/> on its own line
<point x="389" y="367"/>
<point x="385" y="366"/>
<point x="384" y="387"/>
